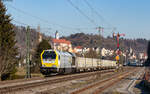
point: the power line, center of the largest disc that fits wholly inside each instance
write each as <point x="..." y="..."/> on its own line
<point x="36" y="17"/>
<point x="81" y="12"/>
<point x="98" y="14"/>
<point x="73" y="31"/>
<point x="20" y="23"/>
<point x="35" y="26"/>
<point x="39" y="18"/>
<point x="43" y="20"/>
<point x="49" y="28"/>
<point x="24" y="24"/>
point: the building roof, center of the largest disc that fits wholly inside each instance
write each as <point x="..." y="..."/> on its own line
<point x="78" y="47"/>
<point x="61" y="41"/>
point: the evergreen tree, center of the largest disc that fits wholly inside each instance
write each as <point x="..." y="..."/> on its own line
<point x="8" y="51"/>
<point x="44" y="45"/>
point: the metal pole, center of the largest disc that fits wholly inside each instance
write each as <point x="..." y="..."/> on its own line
<point x="100" y="41"/>
<point x="85" y="61"/>
<point x="28" y="74"/>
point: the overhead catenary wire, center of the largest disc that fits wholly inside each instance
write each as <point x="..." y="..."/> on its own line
<point x="36" y="17"/>
<point x="45" y="21"/>
<point x="87" y="17"/>
<point x="81" y="12"/>
<point x="20" y="23"/>
<point x="24" y="24"/>
<point x="97" y="13"/>
<point x="47" y="28"/>
<point x="71" y="29"/>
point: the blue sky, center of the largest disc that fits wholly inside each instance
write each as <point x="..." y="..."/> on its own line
<point x="131" y="17"/>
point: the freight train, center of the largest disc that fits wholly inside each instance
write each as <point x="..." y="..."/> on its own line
<point x="54" y="61"/>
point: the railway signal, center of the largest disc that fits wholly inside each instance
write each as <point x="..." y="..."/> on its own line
<point x="118" y="37"/>
<point x="118" y="46"/>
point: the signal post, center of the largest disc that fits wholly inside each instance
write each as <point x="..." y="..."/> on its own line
<point x="118" y="35"/>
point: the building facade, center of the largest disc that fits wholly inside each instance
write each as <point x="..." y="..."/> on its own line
<point x="61" y="44"/>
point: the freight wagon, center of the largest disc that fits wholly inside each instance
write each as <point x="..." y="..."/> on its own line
<point x="89" y="64"/>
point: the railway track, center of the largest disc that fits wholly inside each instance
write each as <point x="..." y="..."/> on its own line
<point x="102" y="85"/>
<point x="18" y="86"/>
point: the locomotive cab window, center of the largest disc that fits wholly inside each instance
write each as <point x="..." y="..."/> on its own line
<point x="49" y="55"/>
<point x="59" y="57"/>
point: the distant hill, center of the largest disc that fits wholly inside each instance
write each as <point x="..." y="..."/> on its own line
<point x="90" y="40"/>
<point x="79" y="39"/>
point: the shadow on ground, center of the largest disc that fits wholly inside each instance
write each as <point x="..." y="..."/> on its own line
<point x="142" y="88"/>
<point x="129" y="78"/>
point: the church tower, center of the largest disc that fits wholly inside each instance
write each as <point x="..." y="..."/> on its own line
<point x="39" y="34"/>
<point x="56" y="35"/>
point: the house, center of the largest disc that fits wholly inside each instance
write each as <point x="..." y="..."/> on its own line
<point x="86" y="50"/>
<point x="142" y="56"/>
<point x="78" y="49"/>
<point x="61" y="44"/>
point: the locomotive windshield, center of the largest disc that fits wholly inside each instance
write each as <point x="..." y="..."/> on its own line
<point x="49" y="55"/>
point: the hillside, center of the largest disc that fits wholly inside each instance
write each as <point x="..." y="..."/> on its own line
<point x="90" y="40"/>
<point x="80" y="39"/>
<point x="21" y="39"/>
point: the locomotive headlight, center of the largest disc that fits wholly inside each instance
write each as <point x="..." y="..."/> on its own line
<point x="54" y="66"/>
<point x="43" y="65"/>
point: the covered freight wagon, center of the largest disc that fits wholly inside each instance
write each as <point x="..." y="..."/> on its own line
<point x="83" y="64"/>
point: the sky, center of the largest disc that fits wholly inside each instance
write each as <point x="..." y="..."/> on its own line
<point x="130" y="17"/>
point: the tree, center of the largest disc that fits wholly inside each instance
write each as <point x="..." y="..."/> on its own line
<point x="91" y="54"/>
<point x="8" y="51"/>
<point x="147" y="63"/>
<point x="44" y="45"/>
<point x="122" y="59"/>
